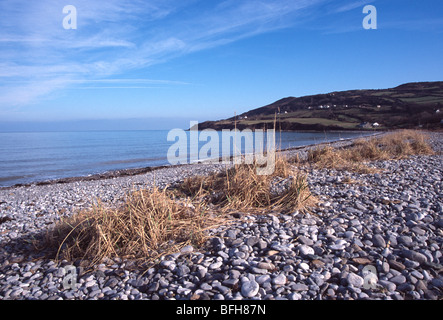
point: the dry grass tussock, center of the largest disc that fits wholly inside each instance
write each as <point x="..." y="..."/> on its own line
<point x="150" y="224"/>
<point x="153" y="223"/>
<point x="392" y="146"/>
<point x="241" y="188"/>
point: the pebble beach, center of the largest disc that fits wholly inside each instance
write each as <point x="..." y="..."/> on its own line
<point x="372" y="236"/>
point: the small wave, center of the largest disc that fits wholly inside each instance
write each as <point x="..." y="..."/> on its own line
<point x="16" y="178"/>
<point x="112" y="162"/>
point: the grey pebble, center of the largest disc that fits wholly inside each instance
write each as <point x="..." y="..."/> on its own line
<point x="249" y="288"/>
<point x="355" y="280"/>
<point x="378" y="241"/>
<point x="280" y="279"/>
<point x="413" y="255"/>
<point x="305" y="250"/>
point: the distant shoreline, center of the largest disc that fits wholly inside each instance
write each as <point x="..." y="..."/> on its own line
<point x="143" y="170"/>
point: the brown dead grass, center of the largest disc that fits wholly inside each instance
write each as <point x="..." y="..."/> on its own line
<point x="241" y="188"/>
<point x="153" y="223"/>
<point x="149" y="225"/>
<point x="393" y="146"/>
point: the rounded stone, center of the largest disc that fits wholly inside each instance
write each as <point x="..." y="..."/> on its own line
<point x="355" y="280"/>
<point x="305" y="250"/>
<point x="279" y="280"/>
<point x="249" y="289"/>
<point x="378" y="240"/>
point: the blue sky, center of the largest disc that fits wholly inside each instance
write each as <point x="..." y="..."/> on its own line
<point x="166" y="62"/>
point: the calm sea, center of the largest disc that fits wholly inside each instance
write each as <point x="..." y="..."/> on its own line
<point x="39" y="156"/>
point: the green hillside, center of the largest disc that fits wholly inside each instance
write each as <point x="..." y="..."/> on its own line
<point x="409" y="105"/>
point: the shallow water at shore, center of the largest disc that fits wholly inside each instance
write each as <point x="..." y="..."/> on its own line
<point x="39" y="156"/>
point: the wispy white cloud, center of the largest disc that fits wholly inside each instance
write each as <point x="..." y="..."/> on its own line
<point x="27" y="93"/>
<point x="39" y="56"/>
<point x="117" y="87"/>
<point x="351" y="6"/>
<point x="131" y="81"/>
<point x="341" y="16"/>
<point x="22" y="39"/>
